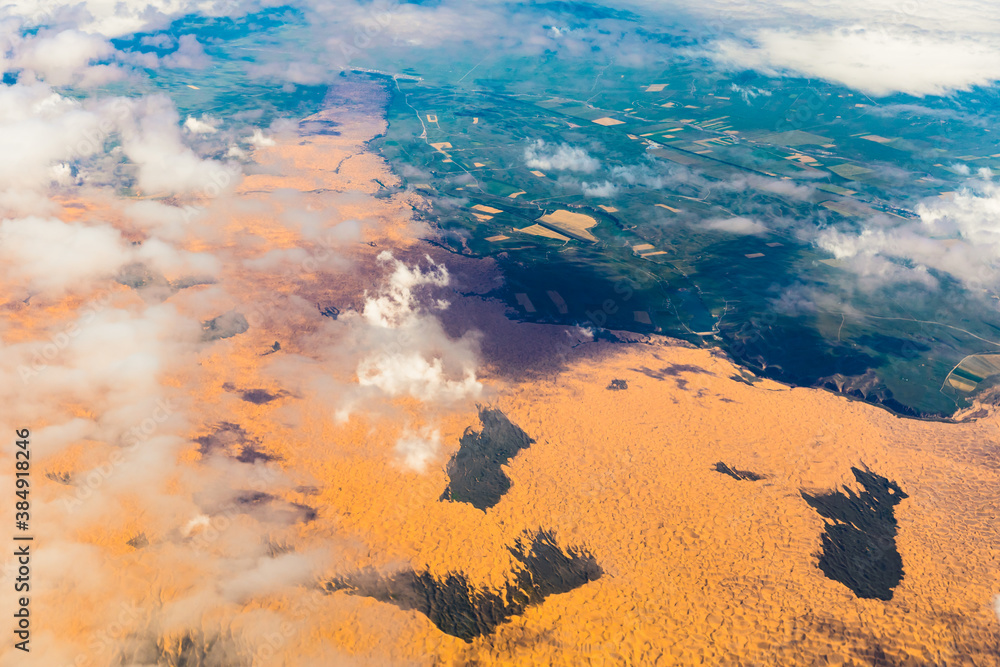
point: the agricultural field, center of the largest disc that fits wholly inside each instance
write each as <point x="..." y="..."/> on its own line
<point x="664" y="202"/>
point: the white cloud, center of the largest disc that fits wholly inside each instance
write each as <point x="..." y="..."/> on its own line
<point x="64" y="57"/>
<point x="189" y="54"/>
<point x="406" y="351"/>
<point x="646" y="175"/>
<point x="160" y="41"/>
<point x="737" y="225"/>
<point x="48" y="139"/>
<point x="876" y="46"/>
<point x="749" y="93"/>
<point x="397" y="305"/>
<point x="259" y="140"/>
<point x="165" y="221"/>
<point x="959" y="236"/>
<point x="605" y="189"/>
<point x="117" y="18"/>
<point x="540" y="155"/>
<point x="778" y="186"/>
<point x="93" y="364"/>
<point x="51" y="256"/>
<point x="417" y="449"/>
<point x="873" y="61"/>
<point x="268" y="575"/>
<point x="166" y="165"/>
<point x="201" y="125"/>
<point x="954" y="16"/>
<point x="40" y="128"/>
<point x="411" y="374"/>
<point x="960" y="169"/>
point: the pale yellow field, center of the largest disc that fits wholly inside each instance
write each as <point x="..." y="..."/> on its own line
<point x="574" y="223"/>
<point x="981" y="366"/>
<point x="669" y="208"/>
<point x="538" y="230"/>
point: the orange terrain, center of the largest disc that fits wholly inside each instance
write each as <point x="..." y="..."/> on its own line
<point x="220" y="545"/>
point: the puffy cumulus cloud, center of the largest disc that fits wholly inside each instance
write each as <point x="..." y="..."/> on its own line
<point x="737" y="225"/>
<point x="605" y="189"/>
<point x="172" y="261"/>
<point x="408" y="352"/>
<point x="40" y="129"/>
<point x="397" y="306"/>
<point x="873" y="61"/>
<point x="410" y="373"/>
<point x="203" y="125"/>
<point x="49" y="255"/>
<point x="166" y="165"/>
<point x="960" y="168"/>
<point x="971" y="221"/>
<point x="114" y="19"/>
<point x="158" y="41"/>
<point x="259" y="140"/>
<point x="165" y="221"/>
<point x="650" y="175"/>
<point x="109" y="357"/>
<point x="959" y="236"/>
<point x="268" y="575"/>
<point x="64" y="57"/>
<point x="875" y="256"/>
<point x="189" y="54"/>
<point x="52" y="141"/>
<point x="393" y="347"/>
<point x="749" y="93"/>
<point x="301" y="73"/>
<point x="778" y="186"/>
<point x="540" y="155"/>
<point x="797" y="300"/>
<point x="417" y="449"/>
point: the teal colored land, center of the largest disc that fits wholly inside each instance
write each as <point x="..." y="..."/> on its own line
<point x="687" y="201"/>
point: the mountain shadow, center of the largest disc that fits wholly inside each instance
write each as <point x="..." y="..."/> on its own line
<point x="476" y="470"/>
<point x="460" y="609"/>
<point x="741" y="475"/>
<point x="859" y="546"/>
